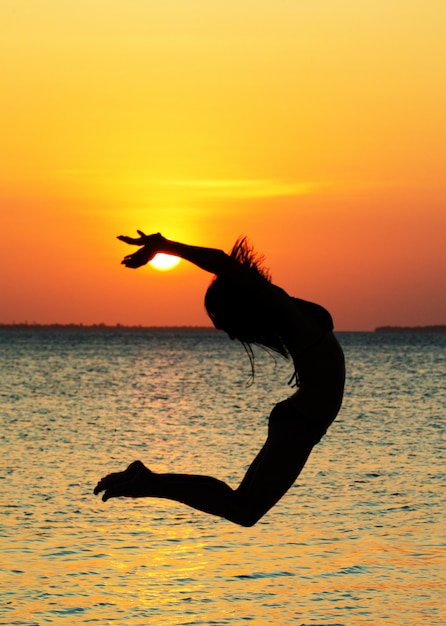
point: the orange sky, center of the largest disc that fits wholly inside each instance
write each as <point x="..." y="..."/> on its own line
<point x="316" y="128"/>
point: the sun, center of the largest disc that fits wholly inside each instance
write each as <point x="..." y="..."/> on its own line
<point x="164" y="262"/>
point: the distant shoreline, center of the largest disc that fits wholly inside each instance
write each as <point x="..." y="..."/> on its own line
<point x="105" y="327"/>
<point x="440" y="328"/>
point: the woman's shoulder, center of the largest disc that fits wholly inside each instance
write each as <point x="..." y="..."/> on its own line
<point x="317" y="311"/>
<point x="305" y="325"/>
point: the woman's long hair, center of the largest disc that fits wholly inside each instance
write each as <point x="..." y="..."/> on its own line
<point x="233" y="309"/>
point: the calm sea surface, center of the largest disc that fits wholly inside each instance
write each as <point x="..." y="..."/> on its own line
<point x="359" y="539"/>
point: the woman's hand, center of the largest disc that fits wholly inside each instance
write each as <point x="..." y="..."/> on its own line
<point x="151" y="245"/>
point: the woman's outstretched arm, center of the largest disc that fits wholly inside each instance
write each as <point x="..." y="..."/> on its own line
<point x="211" y="260"/>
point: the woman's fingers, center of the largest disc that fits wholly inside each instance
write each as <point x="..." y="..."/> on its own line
<point x="113" y="493"/>
<point x="133" y="241"/>
<point x="106" y="482"/>
<point x="139" y="258"/>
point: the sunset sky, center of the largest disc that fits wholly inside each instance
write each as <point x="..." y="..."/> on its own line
<point x="315" y="127"/>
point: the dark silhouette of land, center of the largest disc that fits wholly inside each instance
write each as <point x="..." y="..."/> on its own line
<point x="102" y="327"/>
<point x="440" y="328"/>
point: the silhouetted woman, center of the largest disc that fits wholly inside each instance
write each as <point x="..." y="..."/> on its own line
<point x="243" y="302"/>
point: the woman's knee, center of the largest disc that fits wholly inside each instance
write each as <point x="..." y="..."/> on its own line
<point x="245" y="513"/>
<point x="247" y="519"/>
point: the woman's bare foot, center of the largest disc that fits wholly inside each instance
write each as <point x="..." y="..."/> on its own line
<point x="131" y="483"/>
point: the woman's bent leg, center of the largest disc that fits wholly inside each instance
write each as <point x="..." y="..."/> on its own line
<point x="269" y="477"/>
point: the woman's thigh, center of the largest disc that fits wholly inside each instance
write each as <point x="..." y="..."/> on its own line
<point x="276" y="467"/>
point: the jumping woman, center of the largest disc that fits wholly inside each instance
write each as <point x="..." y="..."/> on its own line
<point x="242" y="301"/>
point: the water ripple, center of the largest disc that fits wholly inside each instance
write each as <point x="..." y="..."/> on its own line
<point x="359" y="540"/>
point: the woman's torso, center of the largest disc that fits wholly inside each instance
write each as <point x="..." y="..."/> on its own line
<point x="319" y="362"/>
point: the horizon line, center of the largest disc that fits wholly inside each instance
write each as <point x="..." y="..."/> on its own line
<point x="189" y="327"/>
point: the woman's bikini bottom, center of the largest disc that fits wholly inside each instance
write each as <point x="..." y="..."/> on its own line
<point x="287" y="414"/>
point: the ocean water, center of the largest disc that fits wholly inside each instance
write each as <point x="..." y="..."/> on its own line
<point x="359" y="539"/>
